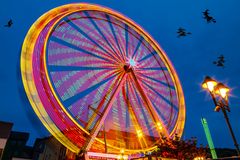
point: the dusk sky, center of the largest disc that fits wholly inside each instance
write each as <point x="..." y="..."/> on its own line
<point x="192" y="57"/>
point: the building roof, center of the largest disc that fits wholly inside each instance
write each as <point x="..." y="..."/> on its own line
<point x="5" y="129"/>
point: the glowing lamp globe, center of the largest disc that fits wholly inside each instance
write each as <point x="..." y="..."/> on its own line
<point x="209" y="83"/>
<point x="221" y="90"/>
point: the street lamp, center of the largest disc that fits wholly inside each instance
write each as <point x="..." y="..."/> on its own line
<point x="219" y="93"/>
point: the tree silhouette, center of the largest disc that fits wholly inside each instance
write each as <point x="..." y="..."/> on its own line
<point x="179" y="149"/>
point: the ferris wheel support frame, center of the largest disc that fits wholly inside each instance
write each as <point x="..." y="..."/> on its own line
<point x="151" y="109"/>
<point x="108" y="107"/>
<point x="135" y="120"/>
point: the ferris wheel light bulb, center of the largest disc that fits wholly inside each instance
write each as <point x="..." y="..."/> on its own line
<point x="139" y="133"/>
<point x="125" y="157"/>
<point x="159" y="125"/>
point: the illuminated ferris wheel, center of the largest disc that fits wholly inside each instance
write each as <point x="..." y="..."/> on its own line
<point x="99" y="82"/>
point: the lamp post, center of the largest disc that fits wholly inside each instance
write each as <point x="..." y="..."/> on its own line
<point x="219" y="93"/>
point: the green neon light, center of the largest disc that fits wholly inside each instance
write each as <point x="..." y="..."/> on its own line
<point x="209" y="138"/>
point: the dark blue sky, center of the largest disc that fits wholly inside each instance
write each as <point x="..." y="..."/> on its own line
<point x="191" y="56"/>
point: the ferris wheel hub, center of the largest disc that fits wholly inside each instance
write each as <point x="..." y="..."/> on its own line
<point x="127" y="68"/>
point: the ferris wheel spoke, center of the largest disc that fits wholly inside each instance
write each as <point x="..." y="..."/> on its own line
<point x="154" y="68"/>
<point x="138" y="45"/>
<point x="149" y="55"/>
<point x="87" y="36"/>
<point x="101" y="103"/>
<point x="115" y="37"/>
<point x="143" y="113"/>
<point x="70" y="45"/>
<point x="158" y="111"/>
<point x="82" y="94"/>
<point x="153" y="113"/>
<point x="126" y="39"/>
<point x="133" y="116"/>
<point x="158" y="81"/>
<point x="130" y="108"/>
<point x="105" y="112"/>
<point x="53" y="68"/>
<point x="161" y="96"/>
<point x="127" y="94"/>
<point x="100" y="32"/>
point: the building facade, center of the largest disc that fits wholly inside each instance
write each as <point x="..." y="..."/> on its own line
<point x="5" y="130"/>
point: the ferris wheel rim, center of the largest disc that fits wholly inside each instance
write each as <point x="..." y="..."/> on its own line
<point x="162" y="55"/>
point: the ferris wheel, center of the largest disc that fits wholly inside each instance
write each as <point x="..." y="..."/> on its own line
<point x="99" y="82"/>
